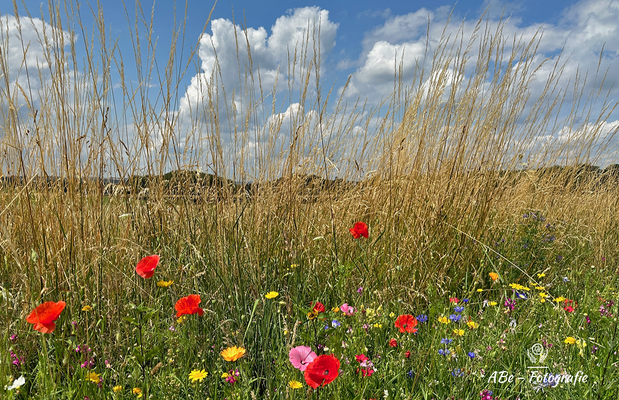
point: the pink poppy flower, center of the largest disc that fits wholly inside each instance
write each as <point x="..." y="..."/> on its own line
<point x="301" y="356"/>
<point x="346" y="309"/>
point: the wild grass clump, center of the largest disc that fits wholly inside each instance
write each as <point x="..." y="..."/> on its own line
<point x="489" y="231"/>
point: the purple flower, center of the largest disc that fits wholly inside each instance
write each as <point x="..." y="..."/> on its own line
<point x="360" y="290"/>
<point x="471" y="354"/>
<point x="511" y="304"/>
<point x="422" y="318"/>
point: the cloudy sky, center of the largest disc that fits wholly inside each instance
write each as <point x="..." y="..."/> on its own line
<point x="361" y="42"/>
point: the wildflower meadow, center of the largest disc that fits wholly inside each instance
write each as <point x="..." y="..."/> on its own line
<point x="443" y="256"/>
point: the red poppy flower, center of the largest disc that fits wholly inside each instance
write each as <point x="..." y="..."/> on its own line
<point x="361" y="358"/>
<point x="569" y="305"/>
<point x="406" y="323"/>
<point x="43" y="316"/>
<point x="322" y="371"/>
<point x="188" y="305"/>
<point x="146" y="266"/>
<point x="393" y="343"/>
<point x="407" y="354"/>
<point x="360" y="229"/>
<point x="318" y="307"/>
<point x="365" y="371"/>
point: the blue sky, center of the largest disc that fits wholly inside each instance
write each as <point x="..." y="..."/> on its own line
<point x="359" y="40"/>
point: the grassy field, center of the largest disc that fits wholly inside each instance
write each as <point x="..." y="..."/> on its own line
<point x="489" y="270"/>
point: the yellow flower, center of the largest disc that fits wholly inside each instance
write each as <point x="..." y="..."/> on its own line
<point x="516" y="286"/>
<point x="87" y="308"/>
<point x="443" y="320"/>
<point x="117" y="389"/>
<point x="480" y="290"/>
<point x="541" y="275"/>
<point x="569" y="340"/>
<point x="293" y="265"/>
<point x="93" y="377"/>
<point x="370" y="313"/>
<point x="295" y="384"/>
<point x="560" y="299"/>
<point x="494" y="276"/>
<point x="472" y="324"/>
<point x="540" y="288"/>
<point x="197" y="375"/>
<point x="181" y="319"/>
<point x="165" y="283"/>
<point x="271" y="295"/>
<point x="391" y="315"/>
<point x="492" y="303"/>
<point x="137" y="392"/>
<point x="224" y="375"/>
<point x="543" y="295"/>
<point x="335" y="309"/>
<point x="459" y="332"/>
<point x="233" y="353"/>
<point x="378" y="325"/>
<point x="312" y="314"/>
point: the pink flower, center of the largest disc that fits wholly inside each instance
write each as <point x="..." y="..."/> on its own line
<point x="347" y="310"/>
<point x="301" y="356"/>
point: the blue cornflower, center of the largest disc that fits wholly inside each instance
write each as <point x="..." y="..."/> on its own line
<point x="465" y="301"/>
<point x="458" y="309"/>
<point x="443" y="352"/>
<point x="422" y="318"/>
<point x="410" y="373"/>
<point x="471" y="354"/>
<point x="455" y="317"/>
<point x="457" y="372"/>
<point x="446" y="341"/>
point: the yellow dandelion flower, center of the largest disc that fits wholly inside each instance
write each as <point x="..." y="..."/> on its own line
<point x="87" y="308"/>
<point x="560" y="299"/>
<point x="233" y="353"/>
<point x="443" y="320"/>
<point x="493" y="303"/>
<point x="480" y="290"/>
<point x="165" y="284"/>
<point x="93" y="377"/>
<point x="516" y="286"/>
<point x="271" y="295"/>
<point x="472" y="324"/>
<point x="459" y="332"/>
<point x="335" y="309"/>
<point x="569" y="340"/>
<point x="117" y="389"/>
<point x="137" y="392"/>
<point x="197" y="375"/>
<point x="295" y="384"/>
<point x="378" y="325"/>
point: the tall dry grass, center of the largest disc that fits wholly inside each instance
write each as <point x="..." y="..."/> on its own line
<point x="443" y="168"/>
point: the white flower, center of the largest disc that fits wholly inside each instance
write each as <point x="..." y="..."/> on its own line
<point x="17" y="383"/>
